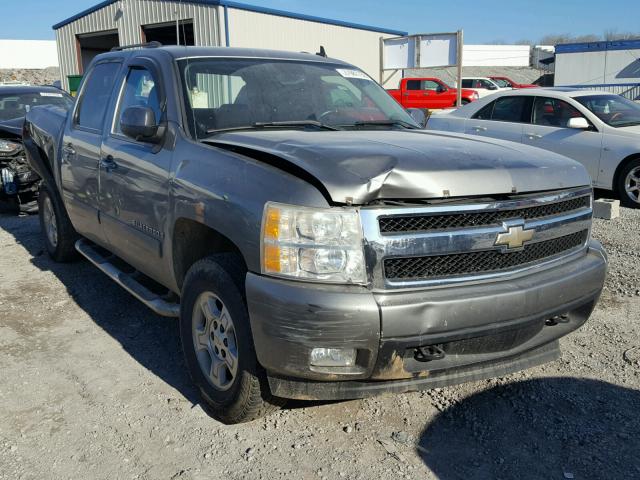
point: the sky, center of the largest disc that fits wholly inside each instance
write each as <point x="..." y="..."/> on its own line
<point x="506" y="21"/>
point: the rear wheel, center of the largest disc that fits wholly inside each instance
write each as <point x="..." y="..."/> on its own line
<point x="628" y="187"/>
<point x="218" y="344"/>
<point x="59" y="235"/>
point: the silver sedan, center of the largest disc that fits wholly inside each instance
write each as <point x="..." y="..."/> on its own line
<point x="598" y="129"/>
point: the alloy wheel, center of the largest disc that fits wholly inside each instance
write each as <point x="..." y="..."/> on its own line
<point x="50" y="225"/>
<point x="214" y="339"/>
<point x="632" y="184"/>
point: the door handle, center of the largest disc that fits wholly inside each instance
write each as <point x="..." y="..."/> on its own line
<point x="478" y="128"/>
<point x="108" y="164"/>
<point x="405" y="94"/>
<point x="533" y="136"/>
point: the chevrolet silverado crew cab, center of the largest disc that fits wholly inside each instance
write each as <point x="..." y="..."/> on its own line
<point x="313" y="241"/>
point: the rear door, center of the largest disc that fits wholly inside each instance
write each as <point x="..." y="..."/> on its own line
<point x="549" y="130"/>
<point x="134" y="175"/>
<point x="81" y="149"/>
<point x="503" y="118"/>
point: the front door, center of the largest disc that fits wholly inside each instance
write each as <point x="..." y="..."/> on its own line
<point x="81" y="150"/>
<point x="549" y="131"/>
<point x="134" y="179"/>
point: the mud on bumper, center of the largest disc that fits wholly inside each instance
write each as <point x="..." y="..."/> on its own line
<point x="483" y="330"/>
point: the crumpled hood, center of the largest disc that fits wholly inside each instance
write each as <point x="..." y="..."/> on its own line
<point x="361" y="166"/>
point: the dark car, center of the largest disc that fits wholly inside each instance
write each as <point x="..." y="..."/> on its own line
<point x="18" y="183"/>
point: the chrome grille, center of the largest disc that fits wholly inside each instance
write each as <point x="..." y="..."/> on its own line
<point x="419" y="268"/>
<point x="436" y="245"/>
<point x="422" y="223"/>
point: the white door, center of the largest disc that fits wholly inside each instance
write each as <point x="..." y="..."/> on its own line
<point x="549" y="130"/>
<point x="503" y="118"/>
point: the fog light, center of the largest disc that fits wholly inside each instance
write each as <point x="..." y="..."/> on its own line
<point x="333" y="357"/>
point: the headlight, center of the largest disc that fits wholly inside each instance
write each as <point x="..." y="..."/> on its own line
<point x="476" y="95"/>
<point x="7" y="147"/>
<point x="319" y="244"/>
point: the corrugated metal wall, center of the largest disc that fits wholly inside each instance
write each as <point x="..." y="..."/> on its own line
<point x="253" y="29"/>
<point x="126" y="16"/>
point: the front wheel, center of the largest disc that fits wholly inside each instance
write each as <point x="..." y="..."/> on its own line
<point x="217" y="341"/>
<point x="59" y="235"/>
<point x="628" y="187"/>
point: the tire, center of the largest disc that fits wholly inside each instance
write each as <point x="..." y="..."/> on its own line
<point x="628" y="184"/>
<point x="465" y="101"/>
<point x="59" y="235"/>
<point x="216" y="284"/>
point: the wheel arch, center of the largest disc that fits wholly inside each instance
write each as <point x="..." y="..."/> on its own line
<point x="625" y="161"/>
<point x="193" y="241"/>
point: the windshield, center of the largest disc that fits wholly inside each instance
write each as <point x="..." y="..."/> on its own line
<point x="17" y="105"/>
<point x="222" y="93"/>
<point x="613" y="110"/>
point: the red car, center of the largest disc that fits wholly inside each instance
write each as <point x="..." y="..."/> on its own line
<point x="506" y="82"/>
<point x="431" y="93"/>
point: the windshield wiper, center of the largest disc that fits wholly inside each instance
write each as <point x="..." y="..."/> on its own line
<point x="391" y="123"/>
<point x="287" y="124"/>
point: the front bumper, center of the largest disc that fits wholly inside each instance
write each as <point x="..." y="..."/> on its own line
<point x="485" y="330"/>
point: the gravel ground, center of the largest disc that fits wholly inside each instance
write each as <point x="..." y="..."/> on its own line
<point x="92" y="385"/>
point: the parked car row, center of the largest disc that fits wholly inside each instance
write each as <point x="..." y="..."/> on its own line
<point x="433" y="93"/>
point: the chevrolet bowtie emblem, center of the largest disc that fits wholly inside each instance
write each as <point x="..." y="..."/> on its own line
<point x="515" y="237"/>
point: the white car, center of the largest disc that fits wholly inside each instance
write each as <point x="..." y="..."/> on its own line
<point x="483" y="86"/>
<point x="598" y="129"/>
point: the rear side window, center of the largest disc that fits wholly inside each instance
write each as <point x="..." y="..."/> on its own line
<point x="467" y="83"/>
<point x="95" y="96"/>
<point x="413" y="84"/>
<point x="510" y="109"/>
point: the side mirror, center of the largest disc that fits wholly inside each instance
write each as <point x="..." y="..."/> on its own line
<point x="139" y="123"/>
<point x="579" y="123"/>
<point x="492" y="87"/>
<point x="441" y="88"/>
<point x="418" y="116"/>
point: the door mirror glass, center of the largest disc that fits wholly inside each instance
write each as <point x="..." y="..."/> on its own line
<point x="579" y="123"/>
<point x="139" y="123"/>
<point x="418" y="116"/>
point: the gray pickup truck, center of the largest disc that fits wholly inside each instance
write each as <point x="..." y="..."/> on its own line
<point x="313" y="240"/>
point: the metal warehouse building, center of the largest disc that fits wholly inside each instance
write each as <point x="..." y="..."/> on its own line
<point x="611" y="66"/>
<point x="211" y="23"/>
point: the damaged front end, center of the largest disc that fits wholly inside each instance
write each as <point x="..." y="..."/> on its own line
<point x="18" y="182"/>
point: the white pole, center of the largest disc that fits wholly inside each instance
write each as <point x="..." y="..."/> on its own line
<point x="459" y="62"/>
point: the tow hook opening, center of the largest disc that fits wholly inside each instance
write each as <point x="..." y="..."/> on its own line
<point x="556" y="319"/>
<point x="429" y="352"/>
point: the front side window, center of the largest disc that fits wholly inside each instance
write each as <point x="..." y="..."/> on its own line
<point x="614" y="110"/>
<point x="139" y="90"/>
<point x="222" y="93"/>
<point x="553" y="112"/>
<point x="95" y="96"/>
